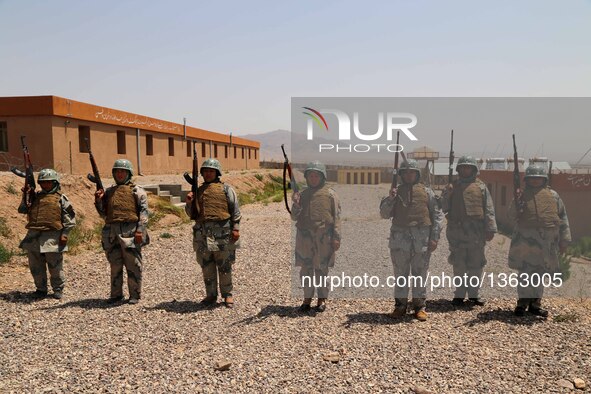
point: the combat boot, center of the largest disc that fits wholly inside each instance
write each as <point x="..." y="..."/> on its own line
<point x="113" y="300"/>
<point x="209" y="300"/>
<point x="229" y="301"/>
<point x="39" y="294"/>
<point x="421" y="315"/>
<point x="519" y="311"/>
<point x="538" y="311"/>
<point x="398" y="312"/>
<point x="321" y="306"/>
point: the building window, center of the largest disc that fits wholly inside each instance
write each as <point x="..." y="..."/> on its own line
<point x="235" y="152"/>
<point x="170" y="146"/>
<point x="121" y="142"/>
<point x="83" y="136"/>
<point x="503" y="195"/>
<point x="225" y="151"/>
<point x="215" y="150"/>
<point x="3" y="137"/>
<point x="203" y="154"/>
<point x="149" y="145"/>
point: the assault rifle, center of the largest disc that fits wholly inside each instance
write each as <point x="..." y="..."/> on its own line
<point x="95" y="177"/>
<point x="516" y="179"/>
<point x="287" y="171"/>
<point x="30" y="185"/>
<point x="193" y="180"/>
<point x="395" y="172"/>
<point x="451" y="159"/>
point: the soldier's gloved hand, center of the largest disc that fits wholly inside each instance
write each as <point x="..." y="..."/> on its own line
<point x="562" y="246"/>
<point x="99" y="194"/>
<point x="393" y="192"/>
<point x="235" y="235"/>
<point x="63" y="241"/>
<point x="336" y="244"/>
<point x="295" y="198"/>
<point x="489" y="235"/>
<point x="432" y="245"/>
<point x="138" y="238"/>
<point x="189" y="197"/>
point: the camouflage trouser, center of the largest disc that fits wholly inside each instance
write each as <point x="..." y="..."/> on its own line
<point x="214" y="264"/>
<point x="132" y="260"/>
<point x="409" y="263"/>
<point x="469" y="262"/>
<point x="39" y="263"/>
<point x="530" y="295"/>
<point x="314" y="278"/>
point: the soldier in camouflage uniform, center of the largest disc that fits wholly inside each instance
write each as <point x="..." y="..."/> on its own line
<point x="416" y="224"/>
<point x="216" y="232"/>
<point x="50" y="219"/>
<point x="540" y="234"/>
<point x="124" y="207"/>
<point x="316" y="211"/>
<point x="470" y="224"/>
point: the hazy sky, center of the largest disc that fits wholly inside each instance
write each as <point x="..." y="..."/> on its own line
<point x="234" y="65"/>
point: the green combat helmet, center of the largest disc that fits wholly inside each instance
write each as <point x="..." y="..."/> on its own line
<point x="48" y="174"/>
<point x="535" y="171"/>
<point x="315" y="166"/>
<point x="410" y="165"/>
<point x="213" y="164"/>
<point x="467" y="161"/>
<point x="123" y="164"/>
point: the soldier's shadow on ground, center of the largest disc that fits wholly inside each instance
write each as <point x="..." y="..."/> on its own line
<point x="505" y="316"/>
<point x="433" y="306"/>
<point x="88" y="303"/>
<point x="283" y="311"/>
<point x="19" y="297"/>
<point x="175" y="306"/>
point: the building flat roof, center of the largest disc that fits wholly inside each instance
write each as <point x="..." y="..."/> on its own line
<point x="67" y="108"/>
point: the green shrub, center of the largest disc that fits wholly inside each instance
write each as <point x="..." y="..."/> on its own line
<point x="161" y="207"/>
<point x="581" y="248"/>
<point x="83" y="238"/>
<point x="5" y="254"/>
<point x="11" y="189"/>
<point x="5" y="231"/>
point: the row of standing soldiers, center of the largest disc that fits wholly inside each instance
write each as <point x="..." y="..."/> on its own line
<point x="541" y="232"/>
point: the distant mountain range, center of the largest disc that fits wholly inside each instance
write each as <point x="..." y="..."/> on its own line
<point x="271" y="144"/>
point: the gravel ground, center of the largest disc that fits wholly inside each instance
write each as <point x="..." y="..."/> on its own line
<point x="169" y="343"/>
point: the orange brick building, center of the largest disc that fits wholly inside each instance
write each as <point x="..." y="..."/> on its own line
<point x="56" y="129"/>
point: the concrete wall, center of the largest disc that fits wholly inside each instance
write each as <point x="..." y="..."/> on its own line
<point x="103" y="141"/>
<point x="37" y="131"/>
<point x="53" y="126"/>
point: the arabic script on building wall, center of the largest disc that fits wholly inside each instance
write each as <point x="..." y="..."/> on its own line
<point x="135" y="120"/>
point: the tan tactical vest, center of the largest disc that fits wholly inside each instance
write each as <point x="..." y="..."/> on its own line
<point x="467" y="201"/>
<point x="415" y="213"/>
<point x="316" y="208"/>
<point x="45" y="213"/>
<point x="213" y="204"/>
<point x="540" y="208"/>
<point x="121" y="205"/>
